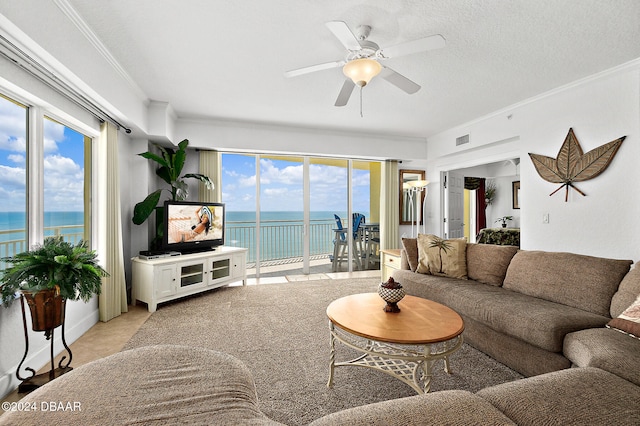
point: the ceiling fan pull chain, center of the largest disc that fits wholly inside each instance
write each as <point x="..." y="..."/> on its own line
<point x="361" y="101"/>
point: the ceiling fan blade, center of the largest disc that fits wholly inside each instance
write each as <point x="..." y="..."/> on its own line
<point x="399" y="80"/>
<point x="344" y="34"/>
<point x="415" y="46"/>
<point x="313" y="68"/>
<point x="345" y="92"/>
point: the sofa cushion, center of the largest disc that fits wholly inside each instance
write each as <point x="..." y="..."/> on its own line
<point x="583" y="282"/>
<point x="607" y="349"/>
<point x="453" y="407"/>
<point x="577" y="396"/>
<point x="488" y="263"/>
<point x="628" y="291"/>
<point x="410" y="246"/>
<point x="537" y="321"/>
<point x="629" y="320"/>
<point x="442" y="257"/>
<point x="163" y="384"/>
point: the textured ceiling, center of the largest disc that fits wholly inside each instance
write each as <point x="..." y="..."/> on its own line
<point x="225" y="59"/>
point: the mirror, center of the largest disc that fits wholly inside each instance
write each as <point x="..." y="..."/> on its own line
<point x="407" y="209"/>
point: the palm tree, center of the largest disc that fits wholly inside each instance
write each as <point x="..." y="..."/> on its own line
<point x="442" y="245"/>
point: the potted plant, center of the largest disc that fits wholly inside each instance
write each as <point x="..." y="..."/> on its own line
<point x="48" y="275"/>
<point x="170" y="167"/>
<point x="503" y="220"/>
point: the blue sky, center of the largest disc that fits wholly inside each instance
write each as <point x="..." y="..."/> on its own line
<point x="281" y="185"/>
<point x="63" y="162"/>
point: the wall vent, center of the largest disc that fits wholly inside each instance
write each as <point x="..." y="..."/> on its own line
<point x="462" y="140"/>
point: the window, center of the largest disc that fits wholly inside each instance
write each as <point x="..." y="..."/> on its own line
<point x="64" y="188"/>
<point x="13" y="177"/>
<point x="65" y="184"/>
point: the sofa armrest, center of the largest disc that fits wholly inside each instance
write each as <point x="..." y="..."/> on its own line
<point x="607" y="349"/>
<point x="437" y="408"/>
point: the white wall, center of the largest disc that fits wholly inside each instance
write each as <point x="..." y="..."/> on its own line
<point x="503" y="204"/>
<point x="599" y="109"/>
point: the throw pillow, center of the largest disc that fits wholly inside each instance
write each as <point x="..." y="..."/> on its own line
<point x="629" y="320"/>
<point x="422" y="242"/>
<point x="442" y="257"/>
<point x="488" y="263"/>
<point x="410" y="246"/>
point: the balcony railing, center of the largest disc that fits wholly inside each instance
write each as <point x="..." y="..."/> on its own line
<point x="280" y="240"/>
<point x="13" y="241"/>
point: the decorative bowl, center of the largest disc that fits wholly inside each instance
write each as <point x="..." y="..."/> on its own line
<point x="391" y="295"/>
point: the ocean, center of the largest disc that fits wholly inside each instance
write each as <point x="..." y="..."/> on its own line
<point x="281" y="234"/>
<point x="13" y="224"/>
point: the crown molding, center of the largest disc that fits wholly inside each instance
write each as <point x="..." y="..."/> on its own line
<point x="95" y="41"/>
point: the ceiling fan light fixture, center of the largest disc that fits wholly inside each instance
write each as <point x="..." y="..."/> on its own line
<point x="362" y="70"/>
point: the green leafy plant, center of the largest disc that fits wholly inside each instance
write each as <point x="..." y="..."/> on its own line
<point x="490" y="192"/>
<point x="170" y="167"/>
<point x="503" y="220"/>
<point x="55" y="263"/>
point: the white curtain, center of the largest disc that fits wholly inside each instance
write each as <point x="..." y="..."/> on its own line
<point x="211" y="166"/>
<point x="389" y="199"/>
<point x="113" y="300"/>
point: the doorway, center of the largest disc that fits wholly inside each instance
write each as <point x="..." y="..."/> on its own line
<point x="459" y="207"/>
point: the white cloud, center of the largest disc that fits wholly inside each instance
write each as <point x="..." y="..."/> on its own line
<point x="13" y="127"/>
<point x="11" y="177"/>
<point x="12" y="188"/>
<point x="53" y="133"/>
<point x="288" y="175"/>
<point x="247" y="181"/>
<point x="63" y="184"/>
<point x="58" y="164"/>
<point x="16" y="158"/>
<point x="276" y="192"/>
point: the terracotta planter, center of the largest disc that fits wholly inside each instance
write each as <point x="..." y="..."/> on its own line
<point x="47" y="309"/>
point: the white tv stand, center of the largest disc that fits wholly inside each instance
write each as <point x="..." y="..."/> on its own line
<point x="160" y="280"/>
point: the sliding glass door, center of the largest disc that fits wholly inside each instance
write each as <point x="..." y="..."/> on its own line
<point x="283" y="209"/>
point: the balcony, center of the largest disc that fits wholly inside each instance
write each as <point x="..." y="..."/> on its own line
<point x="280" y="249"/>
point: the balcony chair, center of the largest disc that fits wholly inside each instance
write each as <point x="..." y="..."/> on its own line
<point x="372" y="246"/>
<point x="341" y="244"/>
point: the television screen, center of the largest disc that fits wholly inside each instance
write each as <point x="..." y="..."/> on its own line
<point x="192" y="226"/>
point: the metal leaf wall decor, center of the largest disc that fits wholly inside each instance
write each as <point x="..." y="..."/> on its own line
<point x="571" y="165"/>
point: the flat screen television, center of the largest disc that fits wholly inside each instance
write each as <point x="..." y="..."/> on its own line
<point x="193" y="226"/>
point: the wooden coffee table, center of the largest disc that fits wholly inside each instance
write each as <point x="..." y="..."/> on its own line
<point x="404" y="344"/>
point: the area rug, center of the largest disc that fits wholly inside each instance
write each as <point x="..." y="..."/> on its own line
<point x="281" y="332"/>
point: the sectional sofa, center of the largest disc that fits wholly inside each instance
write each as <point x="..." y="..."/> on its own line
<point x="522" y="307"/>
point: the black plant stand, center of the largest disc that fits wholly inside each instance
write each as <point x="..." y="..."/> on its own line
<point x="34" y="381"/>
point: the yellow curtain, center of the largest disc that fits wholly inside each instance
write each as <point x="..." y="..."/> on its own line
<point x="389" y="215"/>
<point x="113" y="300"/>
<point x="211" y="166"/>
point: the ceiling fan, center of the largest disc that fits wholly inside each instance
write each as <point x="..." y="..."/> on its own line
<point x="362" y="62"/>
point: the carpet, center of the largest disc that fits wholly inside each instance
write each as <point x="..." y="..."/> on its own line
<point x="281" y="332"/>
